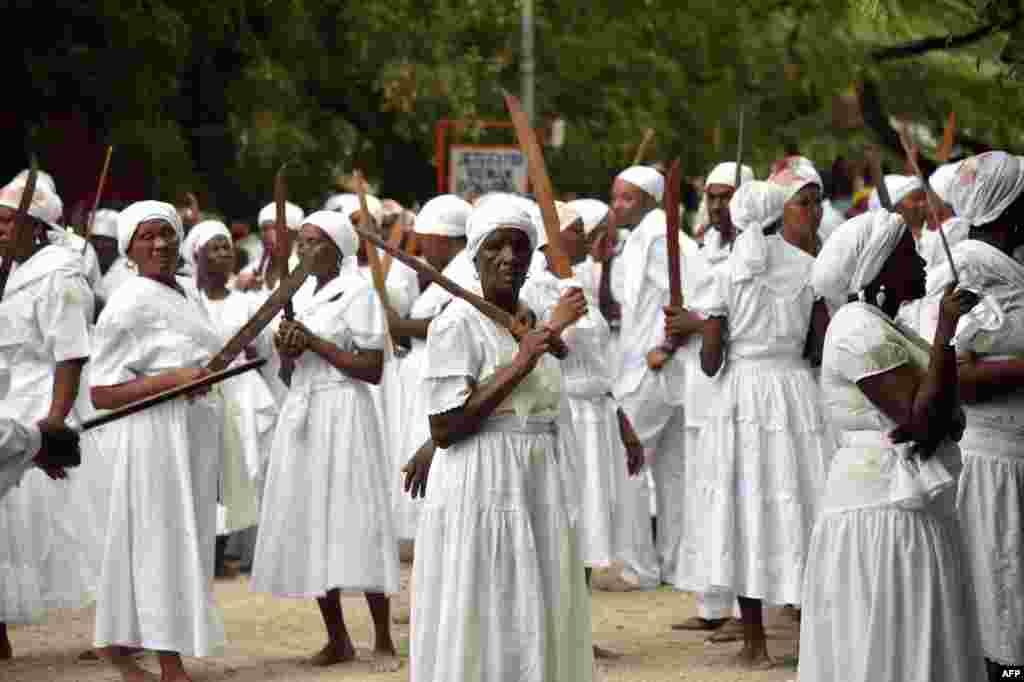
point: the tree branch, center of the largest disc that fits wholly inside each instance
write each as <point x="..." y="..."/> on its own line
<point x="918" y="47"/>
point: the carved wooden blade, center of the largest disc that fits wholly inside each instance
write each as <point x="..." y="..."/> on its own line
<point x="675" y="285"/>
<point x="560" y="265"/>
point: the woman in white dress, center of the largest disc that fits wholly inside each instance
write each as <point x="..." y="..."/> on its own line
<point x="249" y="407"/>
<point x="155" y="585"/>
<point x="763" y="444"/>
<point x="887" y="594"/>
<point x="325" y="522"/>
<point x="45" y="314"/>
<point x="988" y="195"/>
<point x="500" y="588"/>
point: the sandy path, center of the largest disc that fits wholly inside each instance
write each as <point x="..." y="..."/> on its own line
<point x="268" y="638"/>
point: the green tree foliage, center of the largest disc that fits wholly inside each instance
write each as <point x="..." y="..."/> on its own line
<point x="214" y="96"/>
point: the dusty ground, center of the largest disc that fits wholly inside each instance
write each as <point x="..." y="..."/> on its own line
<point x="269" y="638"/>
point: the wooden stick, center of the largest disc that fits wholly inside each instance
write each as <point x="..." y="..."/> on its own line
<point x="876" y="170"/>
<point x="170" y="394"/>
<point x="99" y="191"/>
<point x="948" y="139"/>
<point x="559" y="261"/>
<point x="739" y="151"/>
<point x="281" y="229"/>
<point x="675" y="285"/>
<point x="641" y="151"/>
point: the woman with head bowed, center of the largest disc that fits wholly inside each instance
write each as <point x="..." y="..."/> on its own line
<point x="886" y="594"/>
<point x="500" y="587"/>
<point x="155" y="585"/>
<point x="755" y="479"/>
<point x="326" y="521"/>
<point x="988" y="195"/>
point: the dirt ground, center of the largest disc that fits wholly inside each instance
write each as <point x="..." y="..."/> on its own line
<point x="268" y="639"/>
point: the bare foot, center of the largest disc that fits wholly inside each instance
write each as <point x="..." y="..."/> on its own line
<point x="381" y="662"/>
<point x="6" y="652"/>
<point x="730" y="631"/>
<point x="698" y="623"/>
<point x="332" y="654"/>
<point x="400" y="614"/>
<point x="181" y="676"/>
<point x="131" y="672"/>
<point x="754" y="656"/>
<point x="605" y="654"/>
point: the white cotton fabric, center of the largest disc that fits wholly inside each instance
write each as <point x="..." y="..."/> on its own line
<point x="591" y="211"/>
<point x="339" y="228"/>
<point x="121" y="270"/>
<point x="326" y="515"/>
<point x="104" y="223"/>
<point x="567" y="216"/>
<point x="88" y="261"/>
<point x="754" y="207"/>
<point x="155" y="587"/>
<point x="855" y="254"/>
<point x="505" y="211"/>
<point x="444" y="215"/>
<point x="198" y="237"/>
<point x="19" y="443"/>
<point x="764" y="436"/>
<point x="293" y="215"/>
<point x="142" y="211"/>
<point x="45" y="205"/>
<point x="885" y="595"/>
<point x="943" y="179"/>
<point x="43" y="179"/>
<point x="794" y="173"/>
<point x="986" y="185"/>
<point x="930" y="244"/>
<point x="45" y="316"/>
<point x="646" y="178"/>
<point x="500" y="589"/>
<point x="725" y="174"/>
<point x="899" y="187"/>
<point x="349" y="205"/>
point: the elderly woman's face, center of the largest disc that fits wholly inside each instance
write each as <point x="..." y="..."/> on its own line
<point x="503" y="261"/>
<point x="154" y="249"/>
<point x="803" y="211"/>
<point x="217" y="256"/>
<point x="310" y="237"/>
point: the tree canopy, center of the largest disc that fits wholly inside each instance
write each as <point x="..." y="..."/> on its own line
<point x="213" y="97"/>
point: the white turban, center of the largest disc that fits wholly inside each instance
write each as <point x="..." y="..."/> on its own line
<point x="986" y="185"/>
<point x="46" y="205"/>
<point x="349" y="204"/>
<point x="338" y="227"/>
<point x="591" y="211"/>
<point x="794" y="173"/>
<point x="855" y="253"/>
<point x="725" y="174"/>
<point x="140" y="212"/>
<point x="899" y="187"/>
<point x="104" y="223"/>
<point x="646" y="178"/>
<point x="444" y="215"/>
<point x="755" y="206"/>
<point x="199" y="235"/>
<point x="509" y="211"/>
<point x="43" y="179"/>
<point x="567" y="215"/>
<point x="942" y="181"/>
<point x="292" y="215"/>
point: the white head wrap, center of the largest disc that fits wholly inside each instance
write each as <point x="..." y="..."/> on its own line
<point x="986" y="185"/>
<point x="899" y="187"/>
<point x="855" y="253"/>
<point x="755" y="206"/>
<point x="293" y="215"/>
<point x="566" y="217"/>
<point x="592" y="211"/>
<point x="444" y="215"/>
<point x="509" y="211"/>
<point x="794" y="173"/>
<point x="942" y="181"/>
<point x="646" y="178"/>
<point x="725" y="174"/>
<point x="46" y="205"/>
<point x="390" y="208"/>
<point x="140" y="212"/>
<point x="349" y="204"/>
<point x="199" y="235"/>
<point x="43" y="179"/>
<point x="338" y="227"/>
<point x="104" y="223"/>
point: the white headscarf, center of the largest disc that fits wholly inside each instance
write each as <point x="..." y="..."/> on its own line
<point x="349" y="204"/>
<point x="198" y="237"/>
<point x="899" y="187"/>
<point x="104" y="223"/>
<point x="46" y="205"/>
<point x="507" y="211"/>
<point x="855" y="254"/>
<point x="140" y="212"/>
<point x="444" y="215"/>
<point x="592" y="211"/>
<point x="725" y="174"/>
<point x="794" y="173"/>
<point x="43" y="179"/>
<point x="986" y="185"/>
<point x="755" y="206"/>
<point x="646" y="178"/>
<point x="292" y="215"/>
<point x="566" y="217"/>
<point x="942" y="181"/>
<point x="338" y="227"/>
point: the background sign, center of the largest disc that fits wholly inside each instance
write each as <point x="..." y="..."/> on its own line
<point x="478" y="169"/>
